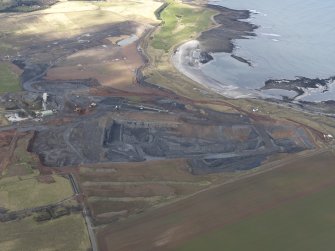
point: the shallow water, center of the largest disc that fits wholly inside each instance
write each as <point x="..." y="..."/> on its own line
<point x="295" y="38"/>
<point x="128" y="40"/>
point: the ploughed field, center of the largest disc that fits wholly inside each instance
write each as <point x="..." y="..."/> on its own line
<point x="288" y="207"/>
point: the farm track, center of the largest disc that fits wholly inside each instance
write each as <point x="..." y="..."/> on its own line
<point x="86" y="215"/>
<point x="129" y="183"/>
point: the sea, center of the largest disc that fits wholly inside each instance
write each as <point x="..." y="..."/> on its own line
<point x="295" y="38"/>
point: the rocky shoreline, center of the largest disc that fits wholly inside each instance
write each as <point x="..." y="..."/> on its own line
<point x="190" y="57"/>
<point x="300" y="85"/>
<point x="187" y="59"/>
<point x="230" y="26"/>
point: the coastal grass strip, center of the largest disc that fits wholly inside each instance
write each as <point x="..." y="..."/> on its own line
<point x="180" y="22"/>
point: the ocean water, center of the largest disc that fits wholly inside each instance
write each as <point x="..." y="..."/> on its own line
<point x="295" y="38"/>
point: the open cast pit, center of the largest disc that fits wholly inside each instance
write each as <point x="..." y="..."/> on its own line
<point x="227" y="142"/>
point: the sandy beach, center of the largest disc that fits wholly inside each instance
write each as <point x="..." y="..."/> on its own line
<point x="229" y="26"/>
<point x="186" y="60"/>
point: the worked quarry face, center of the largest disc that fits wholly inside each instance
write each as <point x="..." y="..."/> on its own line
<point x="154" y="140"/>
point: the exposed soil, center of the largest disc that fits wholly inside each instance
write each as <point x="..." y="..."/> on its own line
<point x="111" y="65"/>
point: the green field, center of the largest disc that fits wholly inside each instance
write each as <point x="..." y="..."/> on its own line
<point x="305" y="224"/>
<point x="67" y="233"/>
<point x="16" y="194"/>
<point x="9" y="80"/>
<point x="22" y="162"/>
<point x="180" y="23"/>
<point x="22" y="186"/>
<point x="19" y="186"/>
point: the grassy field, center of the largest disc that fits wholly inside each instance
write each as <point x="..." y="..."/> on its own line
<point x="275" y="210"/>
<point x="25" y="192"/>
<point x="22" y="186"/>
<point x="22" y="162"/>
<point x="19" y="184"/>
<point x="180" y="23"/>
<point x="9" y="80"/>
<point x="65" y="233"/>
